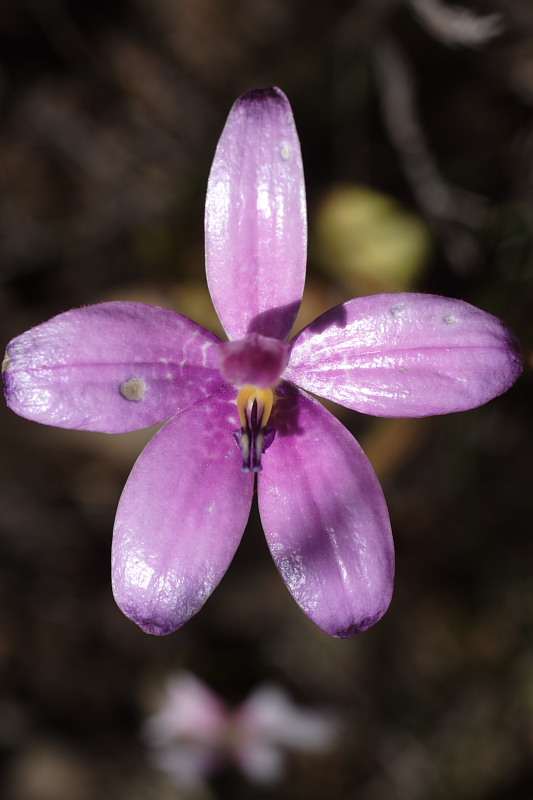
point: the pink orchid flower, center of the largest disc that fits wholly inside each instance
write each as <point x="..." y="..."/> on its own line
<point x="240" y="408"/>
<point x="194" y="733"/>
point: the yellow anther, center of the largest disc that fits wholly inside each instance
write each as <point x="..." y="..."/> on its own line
<point x="254" y="407"/>
<point x="245" y="400"/>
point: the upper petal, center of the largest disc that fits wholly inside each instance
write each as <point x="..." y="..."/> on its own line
<point x="325" y="518"/>
<point x="181" y="516"/>
<point x="111" y="367"/>
<point x="406" y="355"/>
<point x="255" y="220"/>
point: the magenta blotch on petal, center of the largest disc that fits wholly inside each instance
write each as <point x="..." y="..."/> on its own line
<point x="406" y="355"/>
<point x="255" y="220"/>
<point x="111" y="367"/>
<point x="325" y="518"/>
<point x="257" y="360"/>
<point x="181" y="516"/>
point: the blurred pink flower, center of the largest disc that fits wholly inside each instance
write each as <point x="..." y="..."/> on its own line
<point x="194" y="733"/>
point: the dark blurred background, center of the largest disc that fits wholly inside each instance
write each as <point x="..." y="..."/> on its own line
<point x="416" y="126"/>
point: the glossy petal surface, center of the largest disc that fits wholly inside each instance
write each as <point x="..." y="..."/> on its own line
<point x="325" y="518"/>
<point x="181" y="516"/>
<point x="255" y="223"/>
<point x="405" y="355"/>
<point x="111" y="367"/>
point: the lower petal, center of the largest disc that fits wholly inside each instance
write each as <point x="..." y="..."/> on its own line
<point x="181" y="516"/>
<point x="325" y="518"/>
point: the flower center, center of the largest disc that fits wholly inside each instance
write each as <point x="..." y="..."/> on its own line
<point x="254" y="437"/>
<point x="253" y="361"/>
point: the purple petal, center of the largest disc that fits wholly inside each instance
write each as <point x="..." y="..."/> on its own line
<point x="325" y="518"/>
<point x="111" y="367"/>
<point x="256" y="360"/>
<point x="406" y="355"/>
<point x="181" y="516"/>
<point x="255" y="224"/>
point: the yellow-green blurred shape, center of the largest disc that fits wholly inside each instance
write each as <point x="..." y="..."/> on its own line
<point x="368" y="241"/>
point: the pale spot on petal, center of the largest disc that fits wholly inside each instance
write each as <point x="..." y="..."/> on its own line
<point x="5" y="363"/>
<point x="133" y="389"/>
<point x="397" y="311"/>
<point x="285" y="151"/>
<point x="449" y="319"/>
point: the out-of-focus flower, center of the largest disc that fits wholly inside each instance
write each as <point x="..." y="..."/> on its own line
<point x="239" y="407"/>
<point x="369" y="241"/>
<point x="194" y="733"/>
<point x="456" y="25"/>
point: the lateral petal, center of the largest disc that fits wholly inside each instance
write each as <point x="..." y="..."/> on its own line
<point x="325" y="518"/>
<point x="181" y="516"/>
<point x="111" y="367"/>
<point x="255" y="218"/>
<point x="406" y="355"/>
